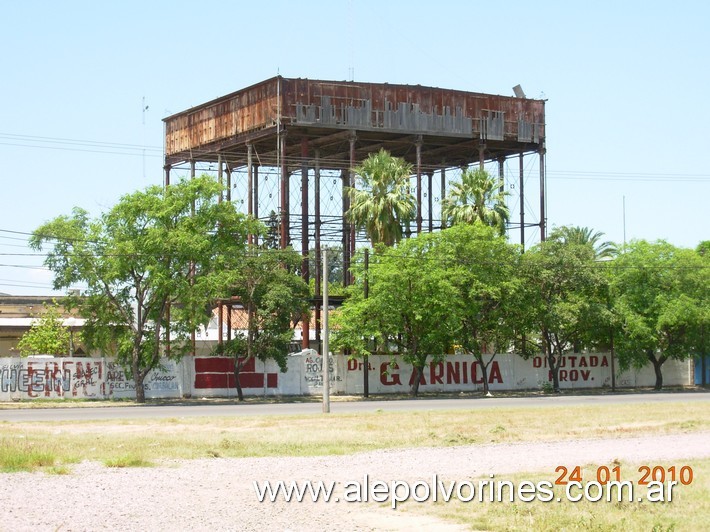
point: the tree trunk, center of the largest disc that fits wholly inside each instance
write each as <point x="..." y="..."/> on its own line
<point x="555" y="370"/>
<point x="138" y="378"/>
<point x="140" y="390"/>
<point x="657" y="363"/>
<point x="237" y="369"/>
<point x="484" y="371"/>
<point x="418" y="372"/>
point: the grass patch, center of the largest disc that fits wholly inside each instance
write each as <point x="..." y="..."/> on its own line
<point x="67" y="402"/>
<point x="26" y="446"/>
<point x="58" y="470"/>
<point x="22" y="455"/>
<point x="128" y="460"/>
<point x="687" y="511"/>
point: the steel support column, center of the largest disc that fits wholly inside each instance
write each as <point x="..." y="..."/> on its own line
<point x="501" y="183"/>
<point x="304" y="236"/>
<point x="284" y="193"/>
<point x="167" y="309"/>
<point x="250" y="190"/>
<point x="220" y="304"/>
<point x="255" y="205"/>
<point x="348" y="228"/>
<point x="345" y="239"/>
<point x="318" y="265"/>
<point x="220" y="177"/>
<point x="351" y="179"/>
<point x="304" y="210"/>
<point x="442" y="196"/>
<point x="193" y="337"/>
<point x="430" y="176"/>
<point x="542" y="192"/>
<point x="501" y="174"/>
<point x="229" y="321"/>
<point x="522" y="201"/>
<point x="419" y="183"/>
<point x="229" y="180"/>
<point x="220" y="321"/>
<point x="481" y="155"/>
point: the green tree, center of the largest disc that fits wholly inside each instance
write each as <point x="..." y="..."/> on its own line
<point x="407" y="311"/>
<point x="661" y="299"/>
<point x="157" y="254"/>
<point x="563" y="298"/>
<point x="380" y="202"/>
<point x="585" y="236"/>
<point x="272" y="237"/>
<point x="47" y="335"/>
<point x="476" y="197"/>
<point x="335" y="269"/>
<point x="275" y="299"/>
<point x="482" y="267"/>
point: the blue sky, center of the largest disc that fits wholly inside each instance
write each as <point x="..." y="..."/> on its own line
<point x="626" y="84"/>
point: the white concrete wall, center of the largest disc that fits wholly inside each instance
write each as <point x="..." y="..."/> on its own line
<point x="506" y="372"/>
<point x="101" y="378"/>
<point x="82" y="378"/>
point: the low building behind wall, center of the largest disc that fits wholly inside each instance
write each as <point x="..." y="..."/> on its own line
<point x="19" y="313"/>
<point x="101" y="378"/>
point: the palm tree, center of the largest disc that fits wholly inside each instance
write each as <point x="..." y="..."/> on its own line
<point x="476" y="197"/>
<point x="568" y="234"/>
<point x="381" y="203"/>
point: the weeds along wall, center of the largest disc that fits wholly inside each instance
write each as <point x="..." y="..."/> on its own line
<point x="101" y="378"/>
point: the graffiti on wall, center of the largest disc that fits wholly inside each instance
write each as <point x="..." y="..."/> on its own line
<point x="313" y="370"/>
<point x="454" y="372"/>
<point x="575" y="368"/>
<point x="101" y="378"/>
<point x="505" y="372"/>
<point x="78" y="377"/>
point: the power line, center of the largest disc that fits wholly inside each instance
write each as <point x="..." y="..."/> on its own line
<point x="76" y="149"/>
<point x="24" y="281"/>
<point x="118" y="148"/>
<point x="24" y="266"/>
<point x="78" y="142"/>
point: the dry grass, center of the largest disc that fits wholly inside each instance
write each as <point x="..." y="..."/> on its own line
<point x="38" y="445"/>
<point x="689" y="509"/>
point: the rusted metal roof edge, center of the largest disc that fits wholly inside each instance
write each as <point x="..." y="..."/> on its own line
<point x="233" y="94"/>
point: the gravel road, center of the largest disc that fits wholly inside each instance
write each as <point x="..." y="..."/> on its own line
<point x="218" y="493"/>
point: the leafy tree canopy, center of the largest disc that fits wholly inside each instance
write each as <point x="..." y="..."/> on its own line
<point x="408" y="310"/>
<point x="157" y="251"/>
<point x="563" y="298"/>
<point x="476" y="197"/>
<point x="47" y="336"/>
<point x="585" y="236"/>
<point x="482" y="267"/>
<point x="661" y="300"/>
<point x="380" y="202"/>
<point x="275" y="298"/>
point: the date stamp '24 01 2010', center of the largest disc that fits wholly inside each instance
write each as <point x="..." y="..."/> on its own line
<point x="647" y="474"/>
<point x="658" y="480"/>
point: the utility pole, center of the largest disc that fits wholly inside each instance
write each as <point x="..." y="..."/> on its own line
<point x="326" y="358"/>
<point x="366" y="358"/>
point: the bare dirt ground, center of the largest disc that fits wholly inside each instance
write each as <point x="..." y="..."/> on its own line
<point x="218" y="494"/>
